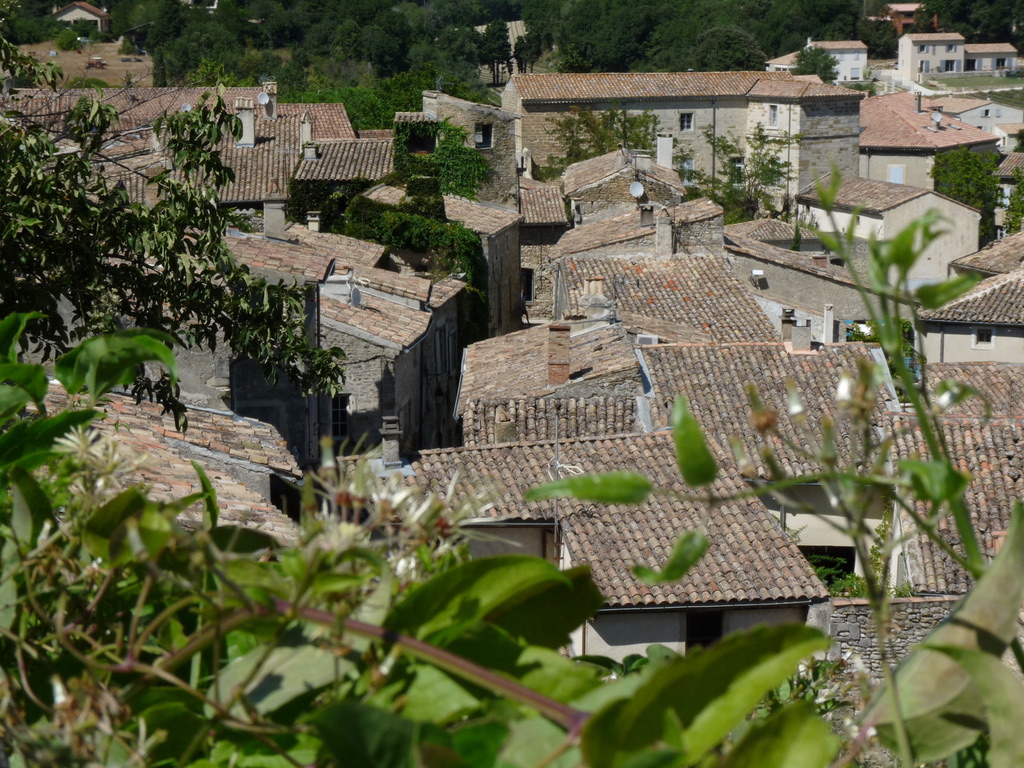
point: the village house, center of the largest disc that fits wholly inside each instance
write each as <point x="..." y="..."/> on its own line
<point x="544" y="223"/>
<point x="986" y="324"/>
<point x="82" y="11"/>
<point x="981" y="113"/>
<point x="902" y="15"/>
<point x="901" y="138"/>
<point x="931" y="53"/>
<point x="996" y="258"/>
<point x="689" y="103"/>
<point x="851" y="59"/>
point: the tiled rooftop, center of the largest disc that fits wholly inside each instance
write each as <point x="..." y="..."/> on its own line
<point x="774" y="230"/>
<point x="541" y="204"/>
<point x="992" y="452"/>
<point x="998" y="257"/>
<point x="1001" y="386"/>
<point x="698" y="292"/>
<point x="1012" y="161"/>
<point x="279" y="260"/>
<point x="383" y="193"/>
<point x="990" y="48"/>
<point x="892" y="122"/>
<point x="394" y="283"/>
<point x="715" y="379"/>
<point x="802" y="88"/>
<point x="444" y="290"/>
<point x="482" y="218"/>
<point x="787" y="258"/>
<point x="595" y="170"/>
<point x="347" y="160"/>
<point x="348" y="251"/>
<point x="267" y="165"/>
<point x="934" y="37"/>
<point x="516" y="365"/>
<point x="229" y="448"/>
<point x="866" y="194"/>
<point x="487" y="422"/>
<point x="954" y="105"/>
<point x="389" y="321"/>
<point x="750" y="559"/>
<point x="998" y="300"/>
<point x="612" y="86"/>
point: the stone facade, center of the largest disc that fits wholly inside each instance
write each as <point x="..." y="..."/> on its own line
<point x="852" y="627"/>
<point x="536" y="244"/>
<point x="492" y="132"/>
<point x="504" y="286"/>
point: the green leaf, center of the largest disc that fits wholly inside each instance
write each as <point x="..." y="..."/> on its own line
<point x="793" y="737"/>
<point x="940" y="707"/>
<point x="11" y="328"/>
<point x="606" y="487"/>
<point x="173" y="725"/>
<point x="211" y="512"/>
<point x="687" y="552"/>
<point x="934" y="481"/>
<point x="1004" y="701"/>
<point x="435" y="697"/>
<point x="101" y="363"/>
<point x="939" y="294"/>
<point x="707" y="693"/>
<point x="531" y="741"/>
<point x="29" y="444"/>
<point x="241" y="540"/>
<point x="30" y="379"/>
<point x="471" y="592"/>
<point x="480" y="743"/>
<point x="268" y="682"/>
<point x="104" y="522"/>
<point x="364" y="737"/>
<point x="696" y="464"/>
<point x="31" y="508"/>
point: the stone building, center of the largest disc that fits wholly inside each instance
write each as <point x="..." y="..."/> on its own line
<point x="544" y="223"/>
<point x="824" y="117"/>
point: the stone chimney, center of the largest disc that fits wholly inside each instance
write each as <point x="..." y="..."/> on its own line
<point x="642" y="161"/>
<point x="309" y="151"/>
<point x="305" y="129"/>
<point x="621" y="159"/>
<point x="274" y="222"/>
<point x="313" y="221"/>
<point x="390" y="437"/>
<point x="270" y="102"/>
<point x="558" y="355"/>
<point x="828" y="330"/>
<point x="247" y="114"/>
<point x="663" y="245"/>
<point x="527" y="163"/>
<point x="666" y="148"/>
<point x="646" y="215"/>
<point x="802" y="336"/>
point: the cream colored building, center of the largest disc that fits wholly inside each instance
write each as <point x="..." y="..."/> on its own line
<point x="80" y="11"/>
<point x="925" y="53"/>
<point x="851" y="59"/>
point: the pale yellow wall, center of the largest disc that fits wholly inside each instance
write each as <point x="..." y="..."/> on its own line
<point x="487" y="540"/>
<point x="960" y="238"/>
<point x="956" y="344"/>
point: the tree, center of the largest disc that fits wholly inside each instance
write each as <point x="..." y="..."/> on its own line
<point x="813" y="60"/>
<point x="77" y="251"/>
<point x="723" y="49"/>
<point x="586" y="133"/>
<point x="748" y="181"/>
<point x="1015" y="204"/>
<point x="494" y="49"/>
<point x="527" y="51"/>
<point x="1019" y="141"/>
<point x="970" y="177"/>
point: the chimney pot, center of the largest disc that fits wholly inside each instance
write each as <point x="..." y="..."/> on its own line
<point x="666" y="148"/>
<point x="558" y="355"/>
<point x="595" y="286"/>
<point x="313" y="221"/>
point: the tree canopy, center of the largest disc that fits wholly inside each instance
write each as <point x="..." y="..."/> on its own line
<point x="813" y="60"/>
<point x="970" y="178"/>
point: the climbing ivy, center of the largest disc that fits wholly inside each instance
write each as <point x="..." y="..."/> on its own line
<point x="330" y="198"/>
<point x="460" y="169"/>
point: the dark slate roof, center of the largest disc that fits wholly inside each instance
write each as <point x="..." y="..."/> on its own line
<point x="1001" y="386"/>
<point x="998" y="300"/>
<point x="998" y="257"/>
<point x="750" y="561"/>
<point x="715" y="379"/>
<point x="231" y="449"/>
<point x="516" y="364"/>
<point x="699" y="292"/>
<point x="347" y="160"/>
<point x="487" y="422"/>
<point x="992" y="452"/>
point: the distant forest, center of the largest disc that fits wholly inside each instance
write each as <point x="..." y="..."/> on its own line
<point x="323" y="47"/>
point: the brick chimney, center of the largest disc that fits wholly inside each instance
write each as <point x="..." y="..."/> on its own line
<point x="247" y="114"/>
<point x="558" y="355"/>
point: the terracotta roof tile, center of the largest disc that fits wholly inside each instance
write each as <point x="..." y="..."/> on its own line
<point x="387" y="320"/>
<point x="627" y="226"/>
<point x="516" y="365"/>
<point x="998" y="257"/>
<point x="934" y="37"/>
<point x="990" y="48"/>
<point x="542" y="204"/>
<point x="482" y="218"/>
<point x="278" y="260"/>
<point x="382" y="193"/>
<point x="1001" y="386"/>
<point x="750" y="559"/>
<point x="444" y="290"/>
<point x="347" y="250"/>
<point x="953" y="105"/>
<point x="347" y="160"/>
<point x="891" y="122"/>
<point x="515" y="420"/>
<point x="699" y="292"/>
<point x="622" y="161"/>
<point x="394" y="283"/>
<point x="802" y="261"/>
<point x="1013" y="161"/>
<point x="998" y="300"/>
<point x="768" y="230"/>
<point x="866" y="194"/>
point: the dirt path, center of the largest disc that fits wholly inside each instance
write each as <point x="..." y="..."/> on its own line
<point x="115" y="73"/>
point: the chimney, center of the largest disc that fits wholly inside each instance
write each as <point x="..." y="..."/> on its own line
<point x="646" y="215"/>
<point x="269" y="99"/>
<point x="273" y="213"/>
<point x="666" y="148"/>
<point x="527" y="163"/>
<point x="594" y="286"/>
<point x="390" y="436"/>
<point x="621" y="159"/>
<point x="558" y="355"/>
<point x="917" y="101"/>
<point x="309" y="151"/>
<point x="642" y="162"/>
<point x="802" y="336"/>
<point x="663" y="245"/>
<point x="305" y="129"/>
<point x="828" y="331"/>
<point x="247" y="114"/>
<point x="313" y="221"/>
<point x="788" y="321"/>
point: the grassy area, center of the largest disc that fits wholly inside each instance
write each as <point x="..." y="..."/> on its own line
<point x="978" y="83"/>
<point x="1009" y="98"/>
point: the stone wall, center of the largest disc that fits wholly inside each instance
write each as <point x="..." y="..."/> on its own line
<point x="704" y="236"/>
<point x="852" y="627"/>
<point x="535" y="246"/>
<point x="611" y="196"/>
<point x="504" y="287"/>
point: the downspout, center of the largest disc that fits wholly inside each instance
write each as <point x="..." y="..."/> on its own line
<point x="313" y="449"/>
<point x="942" y="343"/>
<point x="789" y="156"/>
<point x="714" y="136"/>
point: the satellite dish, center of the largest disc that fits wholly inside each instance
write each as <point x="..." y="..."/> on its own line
<point x="263" y="98"/>
<point x="356" y="297"/>
<point x="636" y="189"/>
<point x="936" y="117"/>
<point x="186" y="107"/>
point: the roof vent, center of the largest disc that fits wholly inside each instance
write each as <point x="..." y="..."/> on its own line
<point x="646" y="339"/>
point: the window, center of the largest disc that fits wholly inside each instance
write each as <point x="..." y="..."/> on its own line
<point x="686" y="169"/>
<point x="483" y="135"/>
<point x="949" y="65"/>
<point x="983" y="338"/>
<point x="702" y="628"/>
<point x="339" y="418"/>
<point x="855" y="73"/>
<point x="526" y="283"/>
<point x="922" y="49"/>
<point x="773" y="115"/>
<point x="951" y="48"/>
<point x="923" y="66"/>
<point x="738" y="164"/>
<point x="1000" y="63"/>
<point x="986" y="112"/>
<point x="686" y="121"/>
<point x="999" y="112"/>
<point x="896" y="174"/>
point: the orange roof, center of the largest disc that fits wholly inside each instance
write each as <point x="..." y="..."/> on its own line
<point x="892" y="122"/>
